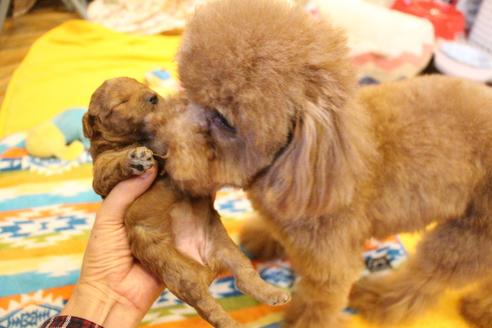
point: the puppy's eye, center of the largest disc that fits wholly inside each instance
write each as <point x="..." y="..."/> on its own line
<point x="221" y="122"/>
<point x="153" y="99"/>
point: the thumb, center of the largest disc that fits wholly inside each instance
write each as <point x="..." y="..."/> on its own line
<point x="123" y="194"/>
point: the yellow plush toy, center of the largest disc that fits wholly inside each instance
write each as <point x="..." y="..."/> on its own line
<point x="61" y="137"/>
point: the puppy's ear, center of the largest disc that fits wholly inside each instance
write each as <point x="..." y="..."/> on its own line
<point x="88" y="125"/>
<point x="318" y="171"/>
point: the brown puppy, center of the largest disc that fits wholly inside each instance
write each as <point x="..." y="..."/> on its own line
<point x="273" y="98"/>
<point x="165" y="220"/>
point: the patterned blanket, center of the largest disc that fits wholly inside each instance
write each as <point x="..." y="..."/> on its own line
<point x="47" y="208"/>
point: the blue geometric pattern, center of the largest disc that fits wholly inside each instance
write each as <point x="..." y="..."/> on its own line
<point x="278" y="273"/>
<point x="29" y="317"/>
<point x="20" y="228"/>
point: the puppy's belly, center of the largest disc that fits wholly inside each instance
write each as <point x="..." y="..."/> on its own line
<point x="190" y="233"/>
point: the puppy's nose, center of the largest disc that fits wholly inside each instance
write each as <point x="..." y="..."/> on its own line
<point x="153" y="99"/>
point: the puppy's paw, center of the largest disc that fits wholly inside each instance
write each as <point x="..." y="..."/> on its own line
<point x="140" y="160"/>
<point x="262" y="291"/>
<point x="277" y="297"/>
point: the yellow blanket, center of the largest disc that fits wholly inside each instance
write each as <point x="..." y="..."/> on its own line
<point x="61" y="71"/>
<point x="67" y="64"/>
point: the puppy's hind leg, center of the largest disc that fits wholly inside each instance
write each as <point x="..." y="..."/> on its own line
<point x="247" y="278"/>
<point x="189" y="281"/>
<point x="476" y="307"/>
<point x="451" y="255"/>
<point x="184" y="277"/>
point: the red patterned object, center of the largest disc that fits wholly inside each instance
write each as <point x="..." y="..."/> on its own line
<point x="67" y="321"/>
<point x="449" y="22"/>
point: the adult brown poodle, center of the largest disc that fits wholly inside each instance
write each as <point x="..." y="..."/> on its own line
<point x="274" y="108"/>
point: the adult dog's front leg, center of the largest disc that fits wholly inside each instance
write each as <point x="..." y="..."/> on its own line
<point x="326" y="271"/>
<point x="112" y="167"/>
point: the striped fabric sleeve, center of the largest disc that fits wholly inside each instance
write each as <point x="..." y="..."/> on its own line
<point x="67" y="321"/>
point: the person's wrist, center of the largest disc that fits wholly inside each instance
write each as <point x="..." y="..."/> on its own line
<point x="101" y="305"/>
<point x="124" y="315"/>
<point x="91" y="302"/>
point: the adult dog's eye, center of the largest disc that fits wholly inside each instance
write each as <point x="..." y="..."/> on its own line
<point x="153" y="99"/>
<point x="221" y="122"/>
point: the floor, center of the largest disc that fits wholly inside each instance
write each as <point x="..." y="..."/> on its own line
<point x="18" y="35"/>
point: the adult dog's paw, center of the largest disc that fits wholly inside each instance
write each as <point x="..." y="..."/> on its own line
<point x="476" y="308"/>
<point x="391" y="299"/>
<point x="140" y="160"/>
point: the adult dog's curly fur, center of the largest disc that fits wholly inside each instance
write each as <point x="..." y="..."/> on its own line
<point x="165" y="222"/>
<point x="274" y="108"/>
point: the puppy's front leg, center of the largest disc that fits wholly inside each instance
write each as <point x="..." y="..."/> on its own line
<point x="112" y="167"/>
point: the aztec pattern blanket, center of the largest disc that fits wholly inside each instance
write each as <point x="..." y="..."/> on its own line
<point x="47" y="207"/>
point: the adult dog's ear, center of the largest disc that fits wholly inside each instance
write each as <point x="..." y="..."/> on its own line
<point x="318" y="170"/>
<point x="88" y="125"/>
<point x="331" y="144"/>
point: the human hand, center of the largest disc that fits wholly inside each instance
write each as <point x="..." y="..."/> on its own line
<point x="114" y="290"/>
